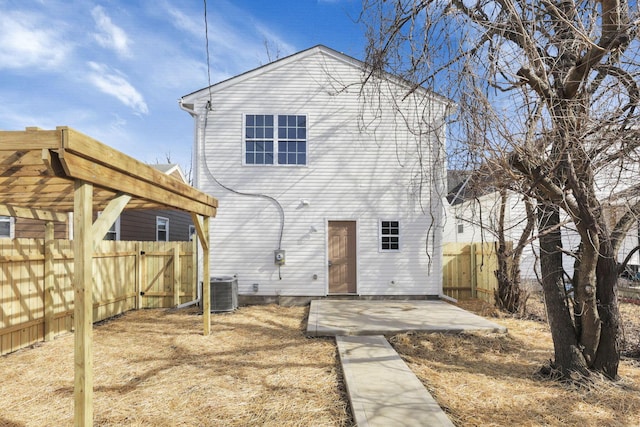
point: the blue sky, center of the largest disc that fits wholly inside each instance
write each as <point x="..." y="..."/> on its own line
<point x="114" y="69"/>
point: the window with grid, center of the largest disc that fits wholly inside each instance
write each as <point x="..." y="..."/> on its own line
<point x="390" y="235"/>
<point x="292" y="140"/>
<point x="258" y="139"/>
<point x="281" y="138"/>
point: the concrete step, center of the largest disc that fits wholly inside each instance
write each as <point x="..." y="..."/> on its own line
<point x="383" y="391"/>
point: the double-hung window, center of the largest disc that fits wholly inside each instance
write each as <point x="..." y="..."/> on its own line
<point x="258" y="139"/>
<point x="162" y="229"/>
<point x="389" y="235"/>
<point x="280" y="139"/>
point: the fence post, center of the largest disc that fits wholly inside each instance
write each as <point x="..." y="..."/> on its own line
<point x="474" y="272"/>
<point x="194" y="268"/>
<point x="138" y="277"/>
<point x="49" y="278"/>
<point x="176" y="274"/>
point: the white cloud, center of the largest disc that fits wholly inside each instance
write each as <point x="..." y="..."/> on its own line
<point x="237" y="37"/>
<point x="184" y="22"/>
<point x="26" y="43"/>
<point x="115" y="84"/>
<point x="270" y="37"/>
<point x="110" y="36"/>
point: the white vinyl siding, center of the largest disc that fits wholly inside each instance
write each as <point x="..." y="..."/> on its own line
<point x="356" y="173"/>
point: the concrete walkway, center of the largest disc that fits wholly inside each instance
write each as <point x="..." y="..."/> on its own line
<point x="382" y="390"/>
<point x="357" y="317"/>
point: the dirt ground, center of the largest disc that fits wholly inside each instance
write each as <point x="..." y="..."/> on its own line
<point x="154" y="368"/>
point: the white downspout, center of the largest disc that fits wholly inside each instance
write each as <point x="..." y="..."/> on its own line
<point x="196" y="173"/>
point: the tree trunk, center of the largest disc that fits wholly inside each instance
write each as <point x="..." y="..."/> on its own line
<point x="567" y="354"/>
<point x="608" y="354"/>
<point x="507" y="296"/>
<point x="584" y="287"/>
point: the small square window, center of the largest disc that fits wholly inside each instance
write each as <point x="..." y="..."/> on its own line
<point x="390" y="235"/>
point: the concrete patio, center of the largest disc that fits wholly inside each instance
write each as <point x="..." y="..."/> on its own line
<point x="357" y="317"/>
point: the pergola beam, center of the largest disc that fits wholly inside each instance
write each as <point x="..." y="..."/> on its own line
<point x="32" y="213"/>
<point x="100" y="175"/>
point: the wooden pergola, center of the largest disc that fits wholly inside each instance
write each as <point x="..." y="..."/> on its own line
<point x="46" y="174"/>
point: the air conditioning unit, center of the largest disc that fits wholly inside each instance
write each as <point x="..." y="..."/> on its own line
<point x="224" y="293"/>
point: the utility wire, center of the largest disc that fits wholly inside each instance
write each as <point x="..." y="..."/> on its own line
<point x="206" y="38"/>
<point x="204" y="153"/>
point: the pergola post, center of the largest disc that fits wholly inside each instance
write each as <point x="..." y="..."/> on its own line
<point x="206" y="288"/>
<point x="83" y="303"/>
<point x="202" y="230"/>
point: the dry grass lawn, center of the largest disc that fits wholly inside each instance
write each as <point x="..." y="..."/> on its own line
<point x="154" y="368"/>
<point x="490" y="380"/>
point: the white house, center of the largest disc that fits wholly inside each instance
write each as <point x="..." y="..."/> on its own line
<point x="326" y="186"/>
<point x="472" y="217"/>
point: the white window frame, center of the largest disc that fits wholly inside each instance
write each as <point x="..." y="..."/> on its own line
<point x="381" y="236"/>
<point x="11" y="221"/>
<point x="459" y="225"/>
<point x="115" y="228"/>
<point x="275" y="141"/>
<point x="159" y="220"/>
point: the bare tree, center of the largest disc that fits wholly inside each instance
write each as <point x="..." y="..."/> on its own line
<point x="547" y="94"/>
<point x="483" y="201"/>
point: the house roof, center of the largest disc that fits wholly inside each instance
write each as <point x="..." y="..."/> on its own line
<point x="172" y="169"/>
<point x="464" y="185"/>
<point x="188" y="99"/>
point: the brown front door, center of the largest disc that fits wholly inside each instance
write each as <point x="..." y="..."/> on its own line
<point x="342" y="257"/>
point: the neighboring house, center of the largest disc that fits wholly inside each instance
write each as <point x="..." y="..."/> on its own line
<point x="154" y="225"/>
<point x="326" y="187"/>
<point x="134" y="225"/>
<point x="472" y="212"/>
<point x="12" y="228"/>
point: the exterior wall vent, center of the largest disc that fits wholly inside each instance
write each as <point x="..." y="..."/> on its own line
<point x="224" y="293"/>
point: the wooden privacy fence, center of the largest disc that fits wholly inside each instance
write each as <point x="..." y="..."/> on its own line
<point x="469" y="270"/>
<point x="36" y="284"/>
